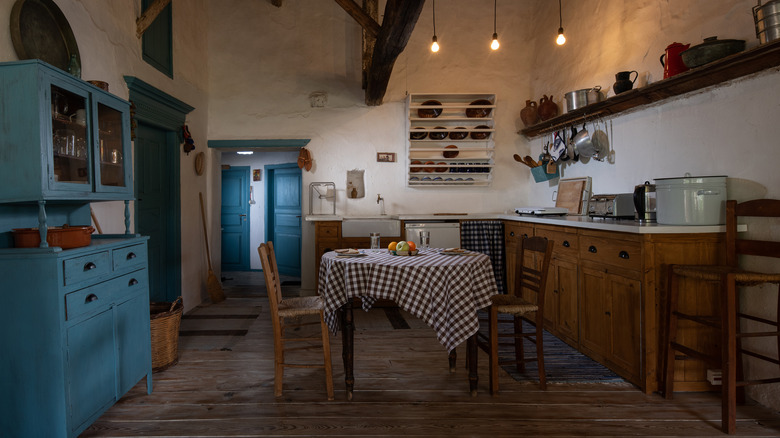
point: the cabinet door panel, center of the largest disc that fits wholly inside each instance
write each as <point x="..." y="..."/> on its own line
<point x="625" y="305"/>
<point x="594" y="329"/>
<point x="566" y="279"/>
<point x="91" y="367"/>
<point x="133" y="337"/>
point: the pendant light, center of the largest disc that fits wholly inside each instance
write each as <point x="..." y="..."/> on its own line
<point x="494" y="44"/>
<point x="435" y="44"/>
<point x="561" y="39"/>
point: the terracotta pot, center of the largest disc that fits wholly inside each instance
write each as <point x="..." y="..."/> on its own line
<point x="547" y="108"/>
<point x="530" y="114"/>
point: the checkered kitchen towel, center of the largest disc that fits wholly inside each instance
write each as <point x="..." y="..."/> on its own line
<point x="486" y="237"/>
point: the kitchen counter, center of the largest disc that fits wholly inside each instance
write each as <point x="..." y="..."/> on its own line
<point x="619" y="225"/>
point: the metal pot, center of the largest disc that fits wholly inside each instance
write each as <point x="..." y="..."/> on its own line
<point x="710" y="50"/>
<point x="584" y="145"/>
<point x="767" y="19"/>
<point x="576" y="99"/>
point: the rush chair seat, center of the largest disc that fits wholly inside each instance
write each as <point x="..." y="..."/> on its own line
<point x="531" y="268"/>
<point x="292" y="308"/>
<point x="730" y="278"/>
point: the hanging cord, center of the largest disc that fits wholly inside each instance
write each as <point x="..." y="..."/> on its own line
<point x="560" y="14"/>
<point x="434" y="17"/>
<point x="495" y="3"/>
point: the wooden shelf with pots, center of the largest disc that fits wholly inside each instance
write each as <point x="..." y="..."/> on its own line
<point x="751" y="61"/>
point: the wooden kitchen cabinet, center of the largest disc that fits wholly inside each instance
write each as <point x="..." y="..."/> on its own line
<point x="452" y="143"/>
<point x="611" y="296"/>
<point x="561" y="307"/>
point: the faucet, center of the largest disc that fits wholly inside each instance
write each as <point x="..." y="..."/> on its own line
<point x="382" y="205"/>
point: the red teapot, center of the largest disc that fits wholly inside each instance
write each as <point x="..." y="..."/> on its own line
<point x="673" y="64"/>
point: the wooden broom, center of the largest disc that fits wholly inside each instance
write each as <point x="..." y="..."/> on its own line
<point x="212" y="283"/>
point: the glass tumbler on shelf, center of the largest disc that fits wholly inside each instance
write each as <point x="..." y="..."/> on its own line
<point x="425" y="239"/>
<point x="374" y="240"/>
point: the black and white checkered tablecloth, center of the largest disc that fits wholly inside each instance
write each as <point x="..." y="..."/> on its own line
<point x="445" y="291"/>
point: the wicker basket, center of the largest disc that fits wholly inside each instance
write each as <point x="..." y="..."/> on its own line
<point x="165" y="320"/>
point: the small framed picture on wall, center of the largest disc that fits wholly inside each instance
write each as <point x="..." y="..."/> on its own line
<point x="385" y="157"/>
<point x="257" y="174"/>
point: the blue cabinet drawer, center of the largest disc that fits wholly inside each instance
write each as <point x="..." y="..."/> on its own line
<point x="103" y="295"/>
<point x="87" y="300"/>
<point x="128" y="285"/>
<point x="86" y="267"/>
<point x="129" y="257"/>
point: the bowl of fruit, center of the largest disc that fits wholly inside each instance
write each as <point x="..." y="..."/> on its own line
<point x="403" y="248"/>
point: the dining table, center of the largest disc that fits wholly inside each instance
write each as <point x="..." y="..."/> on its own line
<point x="443" y="288"/>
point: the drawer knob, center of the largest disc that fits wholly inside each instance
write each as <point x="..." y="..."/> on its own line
<point x="593" y="249"/>
<point x="131" y="256"/>
<point x="89" y="266"/>
<point x="566" y="244"/>
<point x="525" y="235"/>
<point x="512" y="233"/>
<point x="90" y="298"/>
<point x="624" y="255"/>
<point x="132" y="282"/>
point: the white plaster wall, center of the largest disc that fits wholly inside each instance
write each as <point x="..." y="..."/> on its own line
<point x="258" y="160"/>
<point x="109" y="49"/>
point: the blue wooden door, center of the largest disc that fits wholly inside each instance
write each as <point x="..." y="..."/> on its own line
<point x="284" y="216"/>
<point x="156" y="210"/>
<point x="235" y="219"/>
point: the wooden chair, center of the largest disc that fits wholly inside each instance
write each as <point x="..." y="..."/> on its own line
<point x="729" y="278"/>
<point x="532" y="265"/>
<point x="282" y="309"/>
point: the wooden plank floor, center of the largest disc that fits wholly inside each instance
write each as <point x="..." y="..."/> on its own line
<point x="223" y="386"/>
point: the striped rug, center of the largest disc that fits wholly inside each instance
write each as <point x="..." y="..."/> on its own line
<point x="562" y="363"/>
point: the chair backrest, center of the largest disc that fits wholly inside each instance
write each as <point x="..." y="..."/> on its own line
<point x="755" y="208"/>
<point x="532" y="265"/>
<point x="271" y="274"/>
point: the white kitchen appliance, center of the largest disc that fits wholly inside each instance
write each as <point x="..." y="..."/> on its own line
<point x="443" y="234"/>
<point x="619" y="205"/>
<point x="691" y="200"/>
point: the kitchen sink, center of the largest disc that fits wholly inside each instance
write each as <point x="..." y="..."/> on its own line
<point x="362" y="226"/>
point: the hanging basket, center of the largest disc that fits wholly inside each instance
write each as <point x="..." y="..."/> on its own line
<point x="165" y="319"/>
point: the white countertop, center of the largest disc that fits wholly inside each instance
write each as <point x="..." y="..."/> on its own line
<point x="620" y="225"/>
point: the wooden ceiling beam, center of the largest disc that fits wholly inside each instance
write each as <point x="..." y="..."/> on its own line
<point x="397" y="26"/>
<point x="364" y="20"/>
<point x="145" y="20"/>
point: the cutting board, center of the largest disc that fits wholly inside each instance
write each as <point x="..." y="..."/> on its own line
<point x="570" y="195"/>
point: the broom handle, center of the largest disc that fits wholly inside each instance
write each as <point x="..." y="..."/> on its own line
<point x="205" y="234"/>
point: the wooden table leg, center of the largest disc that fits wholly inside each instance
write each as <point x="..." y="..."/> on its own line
<point x="471" y="345"/>
<point x="347" y="346"/>
<point x="453" y="358"/>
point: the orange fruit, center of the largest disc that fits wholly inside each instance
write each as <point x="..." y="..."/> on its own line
<point x="412" y="246"/>
<point x="392" y="245"/>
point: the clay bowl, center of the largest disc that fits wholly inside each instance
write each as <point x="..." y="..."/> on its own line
<point x="430" y="113"/>
<point x="451" y="151"/>
<point x="455" y="135"/>
<point x="415" y="169"/>
<point x="427" y="168"/>
<point x="479" y="113"/>
<point x="480" y="135"/>
<point x="418" y="135"/>
<point x="438" y="135"/>
<point x="441" y="169"/>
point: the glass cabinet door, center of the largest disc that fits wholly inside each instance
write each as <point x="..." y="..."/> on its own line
<point x="110" y="146"/>
<point x="70" y="137"/>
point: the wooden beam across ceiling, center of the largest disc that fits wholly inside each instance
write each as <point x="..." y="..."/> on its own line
<point x="400" y="17"/>
<point x="145" y="20"/>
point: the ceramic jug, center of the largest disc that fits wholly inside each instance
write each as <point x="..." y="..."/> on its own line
<point x="547" y="108"/>
<point x="623" y="81"/>
<point x="672" y="59"/>
<point x="530" y="114"/>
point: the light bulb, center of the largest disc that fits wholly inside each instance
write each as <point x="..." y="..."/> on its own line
<point x="561" y="39"/>
<point x="494" y="45"/>
<point x="435" y="45"/>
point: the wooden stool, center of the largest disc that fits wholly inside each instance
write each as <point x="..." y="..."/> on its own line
<point x="729" y="277"/>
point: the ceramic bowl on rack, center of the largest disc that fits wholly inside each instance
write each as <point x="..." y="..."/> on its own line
<point x="479" y="113"/>
<point x="438" y="135"/>
<point x="458" y="135"/>
<point x="451" y="151"/>
<point x="417" y="163"/>
<point x="480" y="135"/>
<point x="432" y="113"/>
<point x="418" y="135"/>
